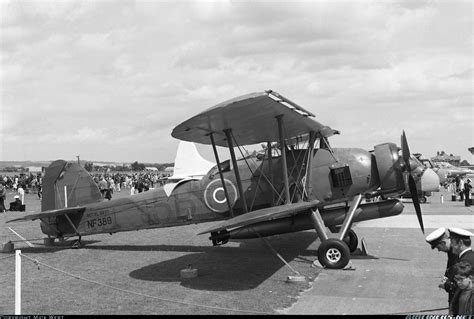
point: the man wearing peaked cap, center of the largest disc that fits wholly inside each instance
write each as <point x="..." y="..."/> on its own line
<point x="439" y="240"/>
<point x="16" y="205"/>
<point x="453" y="231"/>
<point x="437" y="237"/>
<point x="461" y="244"/>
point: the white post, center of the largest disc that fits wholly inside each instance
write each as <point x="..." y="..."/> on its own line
<point x="17" y="282"/>
<point x="65" y="196"/>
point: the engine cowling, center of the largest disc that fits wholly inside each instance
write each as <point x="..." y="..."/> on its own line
<point x="388" y="166"/>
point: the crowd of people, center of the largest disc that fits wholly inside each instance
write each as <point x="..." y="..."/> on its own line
<point x="25" y="181"/>
<point x="463" y="189"/>
<point x="136" y="182"/>
<point x="22" y="184"/>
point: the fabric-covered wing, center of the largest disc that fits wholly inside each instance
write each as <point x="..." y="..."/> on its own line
<point x="263" y="215"/>
<point x="252" y="118"/>
<point x="50" y="213"/>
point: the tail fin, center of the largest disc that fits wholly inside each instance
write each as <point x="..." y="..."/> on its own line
<point x="80" y="187"/>
<point x="189" y="163"/>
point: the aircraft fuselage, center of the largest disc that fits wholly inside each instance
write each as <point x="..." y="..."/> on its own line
<point x="335" y="178"/>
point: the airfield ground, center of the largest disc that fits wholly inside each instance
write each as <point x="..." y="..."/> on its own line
<point x="139" y="272"/>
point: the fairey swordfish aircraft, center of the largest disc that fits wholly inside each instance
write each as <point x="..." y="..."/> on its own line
<point x="299" y="182"/>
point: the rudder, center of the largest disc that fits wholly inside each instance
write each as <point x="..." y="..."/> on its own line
<point x="80" y="187"/>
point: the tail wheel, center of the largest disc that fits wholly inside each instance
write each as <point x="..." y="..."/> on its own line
<point x="351" y="240"/>
<point x="333" y="253"/>
<point x="76" y="244"/>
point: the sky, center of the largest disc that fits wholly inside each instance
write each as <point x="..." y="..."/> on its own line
<point x="109" y="80"/>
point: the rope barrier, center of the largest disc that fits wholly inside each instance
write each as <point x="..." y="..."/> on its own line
<point x="275" y="252"/>
<point x="23" y="240"/>
<point x="11" y="256"/>
<point x="38" y="263"/>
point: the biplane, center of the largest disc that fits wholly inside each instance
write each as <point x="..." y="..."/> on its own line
<point x="297" y="182"/>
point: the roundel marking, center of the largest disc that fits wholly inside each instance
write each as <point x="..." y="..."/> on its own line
<point x="214" y="195"/>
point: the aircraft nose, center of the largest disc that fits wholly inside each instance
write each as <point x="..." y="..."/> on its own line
<point x="429" y="181"/>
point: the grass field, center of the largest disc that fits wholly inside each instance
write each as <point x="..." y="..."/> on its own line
<point x="139" y="272"/>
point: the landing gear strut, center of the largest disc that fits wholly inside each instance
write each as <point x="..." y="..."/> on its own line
<point x="334" y="253"/>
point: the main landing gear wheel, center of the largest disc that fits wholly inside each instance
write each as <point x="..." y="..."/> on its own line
<point x="351" y="240"/>
<point x="423" y="199"/>
<point x="333" y="253"/>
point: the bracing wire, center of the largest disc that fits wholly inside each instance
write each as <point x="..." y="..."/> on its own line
<point x="7" y="257"/>
<point x="252" y="172"/>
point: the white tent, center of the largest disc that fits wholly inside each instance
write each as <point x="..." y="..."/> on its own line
<point x="34" y="169"/>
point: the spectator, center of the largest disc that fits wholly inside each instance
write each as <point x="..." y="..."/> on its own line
<point x="17" y="205"/>
<point x="3" y="196"/>
<point x="463" y="300"/>
<point x="103" y="187"/>
<point x="440" y="240"/>
<point x="461" y="189"/>
<point x="467" y="193"/>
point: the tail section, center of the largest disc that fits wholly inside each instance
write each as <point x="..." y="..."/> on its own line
<point x="189" y="163"/>
<point x="68" y="184"/>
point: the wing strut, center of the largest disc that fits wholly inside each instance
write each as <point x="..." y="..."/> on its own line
<point x="270" y="169"/>
<point x="283" y="157"/>
<point x="220" y="173"/>
<point x="74" y="227"/>
<point x="230" y="144"/>
<point x="309" y="175"/>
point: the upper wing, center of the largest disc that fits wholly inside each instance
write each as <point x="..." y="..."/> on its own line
<point x="50" y="213"/>
<point x="263" y="215"/>
<point x="252" y="120"/>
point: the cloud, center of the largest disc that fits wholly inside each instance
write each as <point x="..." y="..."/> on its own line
<point x="113" y="73"/>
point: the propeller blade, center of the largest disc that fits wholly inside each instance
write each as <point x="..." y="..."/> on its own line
<point x="416" y="202"/>
<point x="405" y="151"/>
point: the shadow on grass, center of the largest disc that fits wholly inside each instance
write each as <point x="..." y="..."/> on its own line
<point x="228" y="268"/>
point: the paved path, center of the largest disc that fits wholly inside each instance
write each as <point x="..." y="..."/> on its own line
<point x="401" y="273"/>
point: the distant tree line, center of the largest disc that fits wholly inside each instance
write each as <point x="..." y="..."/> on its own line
<point x="13" y="169"/>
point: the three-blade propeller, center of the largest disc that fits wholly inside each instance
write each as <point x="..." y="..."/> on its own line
<point x="411" y="181"/>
